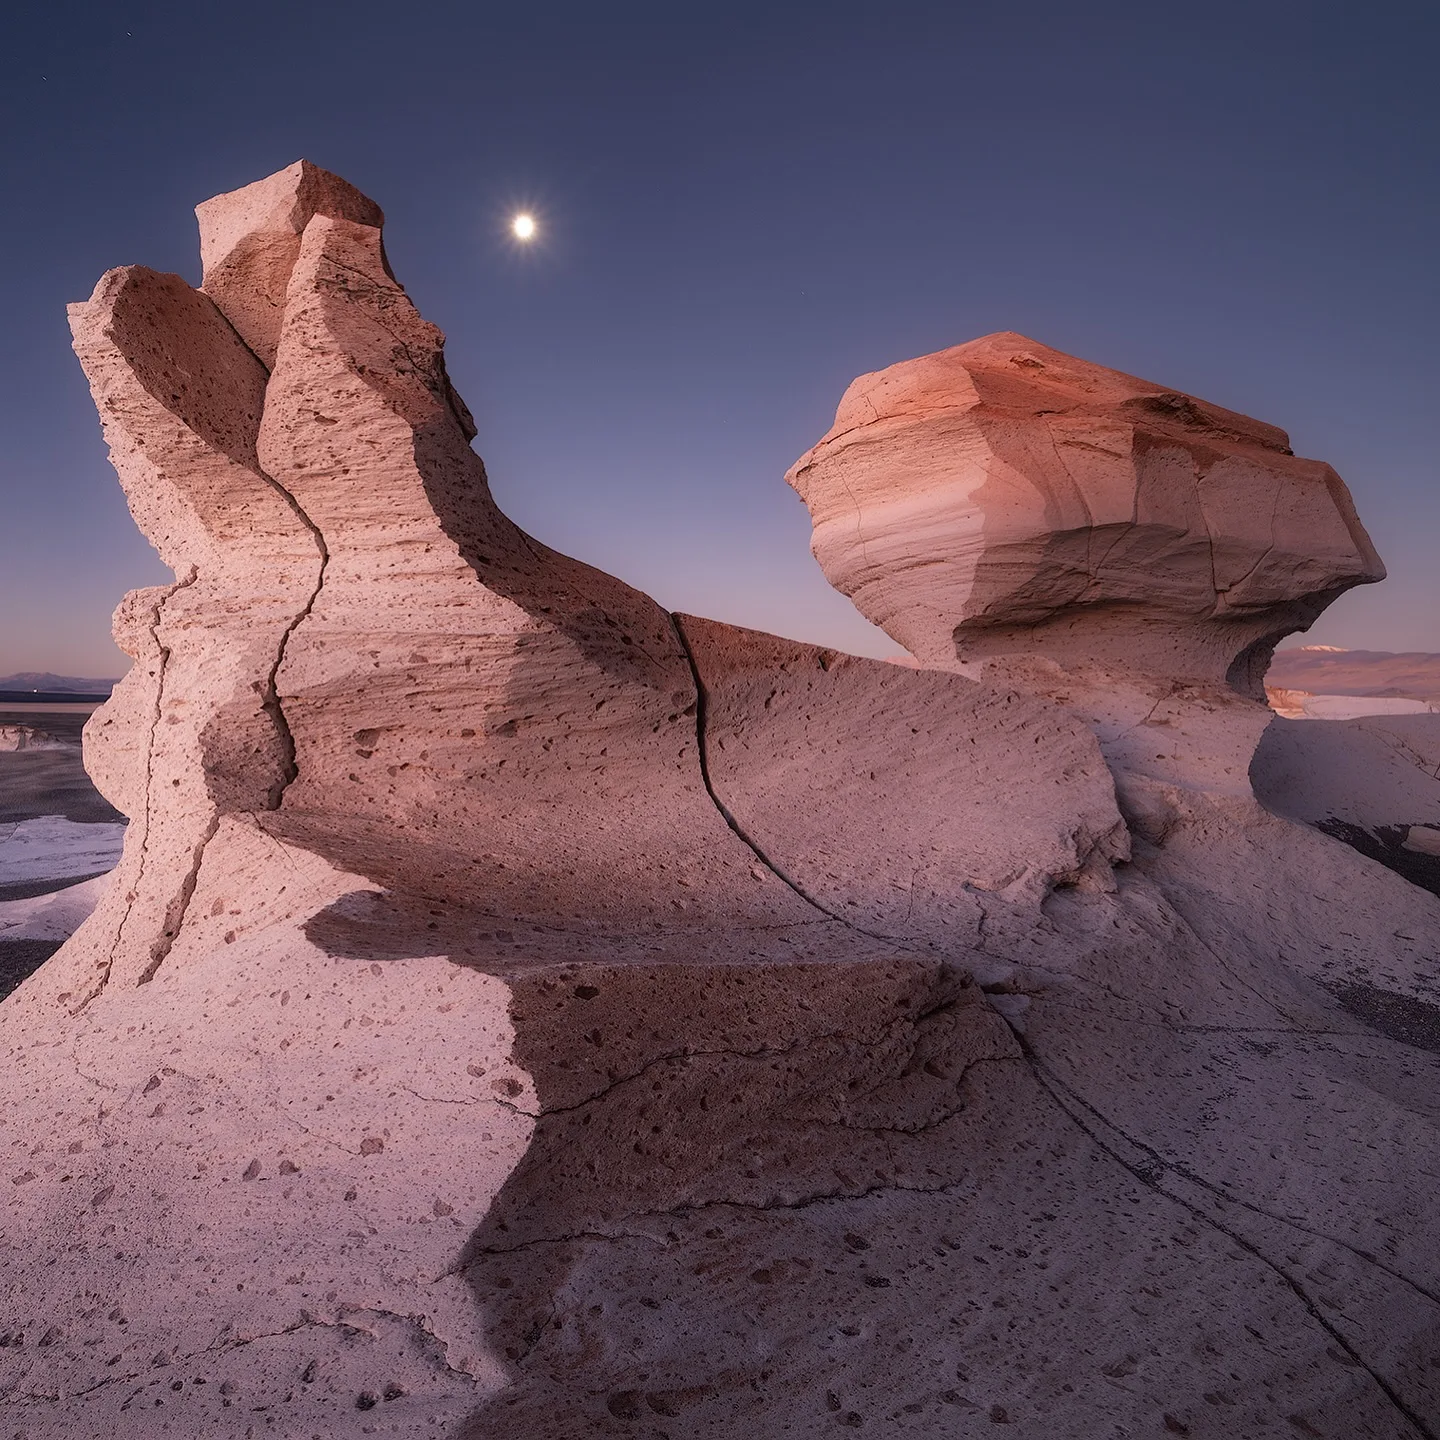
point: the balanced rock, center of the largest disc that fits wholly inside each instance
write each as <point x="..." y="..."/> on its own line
<point x="1002" y="496"/>
<point x="1134" y="555"/>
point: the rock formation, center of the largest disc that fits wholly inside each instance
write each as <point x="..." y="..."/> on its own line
<point x="520" y="1011"/>
<point x="27" y="737"/>
<point x="1004" y="496"/>
<point x="1001" y="457"/>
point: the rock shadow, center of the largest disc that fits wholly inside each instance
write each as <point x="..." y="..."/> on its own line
<point x="663" y="1092"/>
<point x="667" y="1090"/>
<point x="1386" y="843"/>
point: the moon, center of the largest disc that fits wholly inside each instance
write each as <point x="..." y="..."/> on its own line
<point x="523" y="227"/>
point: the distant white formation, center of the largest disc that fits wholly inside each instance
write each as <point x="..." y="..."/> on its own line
<point x="54" y="848"/>
<point x="27" y="737"/>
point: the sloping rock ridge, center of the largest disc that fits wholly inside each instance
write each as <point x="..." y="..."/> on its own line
<point x="519" y="1011"/>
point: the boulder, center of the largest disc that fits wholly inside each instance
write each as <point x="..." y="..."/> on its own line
<point x="1001" y="496"/>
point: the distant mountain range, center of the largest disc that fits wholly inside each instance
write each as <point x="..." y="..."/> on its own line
<point x="46" y="683"/>
<point x="1325" y="670"/>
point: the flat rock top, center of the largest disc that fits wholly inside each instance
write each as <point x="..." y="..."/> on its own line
<point x="1011" y="372"/>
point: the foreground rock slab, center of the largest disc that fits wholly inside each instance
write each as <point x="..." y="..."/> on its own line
<point x="522" y="1012"/>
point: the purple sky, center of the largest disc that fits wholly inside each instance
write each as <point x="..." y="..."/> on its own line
<point x="744" y="206"/>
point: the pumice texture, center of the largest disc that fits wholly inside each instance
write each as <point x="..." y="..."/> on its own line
<point x="519" y="1011"/>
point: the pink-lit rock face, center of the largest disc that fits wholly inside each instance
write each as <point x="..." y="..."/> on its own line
<point x="522" y="1012"/>
<point x="250" y="239"/>
<point x="1002" y="496"/>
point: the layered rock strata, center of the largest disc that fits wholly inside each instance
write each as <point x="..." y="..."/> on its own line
<point x="523" y="1012"/>
<point x="1002" y="496"/>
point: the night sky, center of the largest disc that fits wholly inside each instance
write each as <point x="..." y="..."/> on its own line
<point x="742" y="207"/>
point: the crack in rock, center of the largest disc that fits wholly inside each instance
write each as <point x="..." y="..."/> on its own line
<point x="133" y="894"/>
<point x="1147" y="1175"/>
<point x="702" y="749"/>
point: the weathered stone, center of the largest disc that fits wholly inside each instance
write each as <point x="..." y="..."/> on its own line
<point x="250" y="239"/>
<point x="1004" y="497"/>
<point x="522" y="1012"/>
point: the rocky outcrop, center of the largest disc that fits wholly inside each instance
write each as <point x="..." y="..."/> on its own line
<point x="1004" y="497"/>
<point x="250" y="240"/>
<point x="27" y="737"/>
<point x="1134" y="555"/>
<point x="519" y="1011"/>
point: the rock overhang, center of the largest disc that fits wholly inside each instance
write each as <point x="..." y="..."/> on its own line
<point x="1003" y="497"/>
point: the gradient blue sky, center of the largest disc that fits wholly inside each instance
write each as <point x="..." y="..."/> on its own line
<point x="744" y="206"/>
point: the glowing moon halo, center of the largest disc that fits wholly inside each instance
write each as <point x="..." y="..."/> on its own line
<point x="523" y="227"/>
